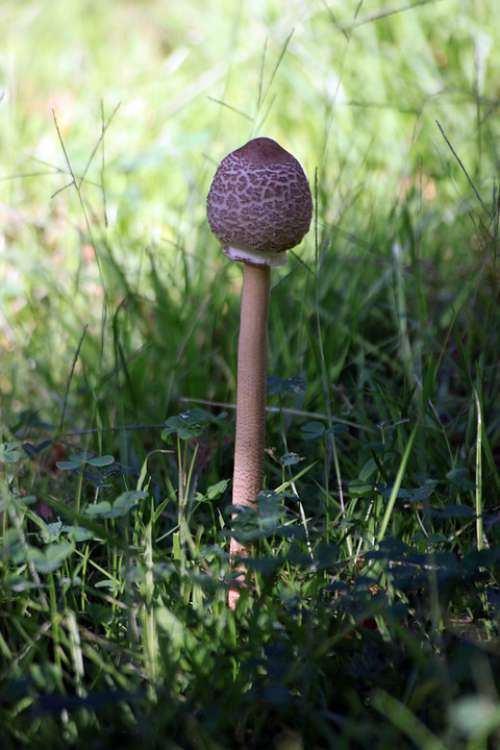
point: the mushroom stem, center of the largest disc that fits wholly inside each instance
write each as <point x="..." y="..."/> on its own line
<point x="251" y="402"/>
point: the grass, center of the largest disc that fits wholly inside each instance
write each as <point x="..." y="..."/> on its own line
<point x="373" y="619"/>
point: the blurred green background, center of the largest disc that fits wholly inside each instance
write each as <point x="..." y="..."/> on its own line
<point x="149" y="96"/>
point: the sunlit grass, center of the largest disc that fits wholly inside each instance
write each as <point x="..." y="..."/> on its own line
<point x="372" y="618"/>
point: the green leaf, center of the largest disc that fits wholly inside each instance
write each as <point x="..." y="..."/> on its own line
<point x="11" y="453"/>
<point x="171" y="624"/>
<point x="451" y="511"/>
<point x="120" y="507"/>
<point x="81" y="459"/>
<point x="99" y="510"/>
<point x="28" y="499"/>
<point x="176" y="546"/>
<point x="359" y="488"/>
<point x="281" y="386"/>
<point x="74" y="463"/>
<point x="459" y="476"/>
<point x="265" y="565"/>
<point x="105" y="583"/>
<point x="397" y="484"/>
<point x="312" y="430"/>
<point x="262" y="520"/>
<point x="126" y="501"/>
<point x="290" y="459"/>
<point x="78" y="533"/>
<point x="188" y="424"/>
<point x="101" y="461"/>
<point x="12" y="545"/>
<point x="418" y="494"/>
<point x="368" y="470"/>
<point x="216" y="490"/>
<point x="53" y="531"/>
<point x="52" y="557"/>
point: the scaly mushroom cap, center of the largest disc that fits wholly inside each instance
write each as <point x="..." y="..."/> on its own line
<point x="259" y="203"/>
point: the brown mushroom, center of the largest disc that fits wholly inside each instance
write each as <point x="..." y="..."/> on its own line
<point x="259" y="205"/>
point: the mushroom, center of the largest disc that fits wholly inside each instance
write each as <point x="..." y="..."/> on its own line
<point x="259" y="205"/>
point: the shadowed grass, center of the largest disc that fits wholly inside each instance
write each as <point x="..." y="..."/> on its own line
<point x="372" y="619"/>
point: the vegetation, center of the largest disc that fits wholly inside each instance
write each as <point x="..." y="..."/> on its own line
<point x="373" y="616"/>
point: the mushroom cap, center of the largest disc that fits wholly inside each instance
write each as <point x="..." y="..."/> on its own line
<point x="259" y="203"/>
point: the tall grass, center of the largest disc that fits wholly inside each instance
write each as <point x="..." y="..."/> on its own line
<point x="372" y="618"/>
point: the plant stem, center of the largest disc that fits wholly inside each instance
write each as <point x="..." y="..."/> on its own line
<point x="250" y="401"/>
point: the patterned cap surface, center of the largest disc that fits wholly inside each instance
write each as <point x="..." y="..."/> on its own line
<point x="260" y="199"/>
